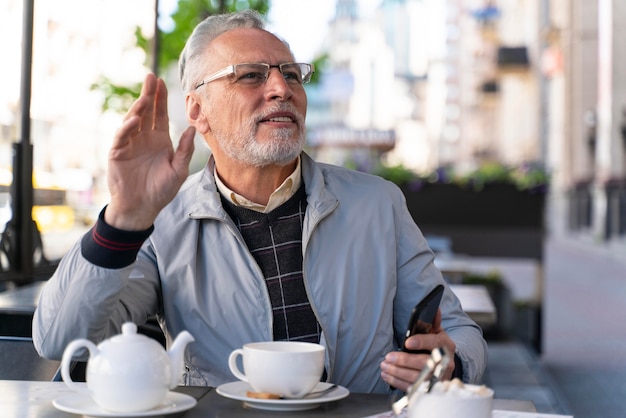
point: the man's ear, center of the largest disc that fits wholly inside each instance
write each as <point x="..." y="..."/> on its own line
<point x="195" y="116"/>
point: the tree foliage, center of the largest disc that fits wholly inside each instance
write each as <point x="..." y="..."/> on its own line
<point x="187" y="15"/>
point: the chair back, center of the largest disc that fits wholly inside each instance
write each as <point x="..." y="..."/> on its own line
<point x="20" y="361"/>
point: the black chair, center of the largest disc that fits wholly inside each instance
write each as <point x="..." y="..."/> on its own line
<point x="20" y="361"/>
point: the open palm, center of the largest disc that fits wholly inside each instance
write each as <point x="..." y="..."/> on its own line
<point x="145" y="172"/>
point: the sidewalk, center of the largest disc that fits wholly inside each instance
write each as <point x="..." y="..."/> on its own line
<point x="584" y="350"/>
<point x="582" y="368"/>
<point x="515" y="372"/>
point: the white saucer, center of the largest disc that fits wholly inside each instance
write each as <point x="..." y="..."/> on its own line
<point x="237" y="390"/>
<point x="84" y="405"/>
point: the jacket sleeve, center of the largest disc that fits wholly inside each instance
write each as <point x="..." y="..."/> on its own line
<point x="417" y="275"/>
<point x="86" y="300"/>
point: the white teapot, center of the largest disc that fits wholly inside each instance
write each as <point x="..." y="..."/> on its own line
<point x="128" y="372"/>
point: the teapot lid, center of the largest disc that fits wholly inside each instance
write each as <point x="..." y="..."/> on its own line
<point x="129" y="335"/>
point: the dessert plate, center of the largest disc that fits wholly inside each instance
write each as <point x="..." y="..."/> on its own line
<point x="80" y="404"/>
<point x="237" y="390"/>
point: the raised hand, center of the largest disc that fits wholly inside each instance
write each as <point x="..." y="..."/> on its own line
<point x="144" y="171"/>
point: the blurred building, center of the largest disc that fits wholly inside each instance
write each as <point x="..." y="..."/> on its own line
<point x="75" y="43"/>
<point x="460" y="82"/>
<point x="423" y="83"/>
<point x="351" y="116"/>
<point x="584" y="59"/>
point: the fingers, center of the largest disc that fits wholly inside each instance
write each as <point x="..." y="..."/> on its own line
<point x="122" y="136"/>
<point x="437" y="338"/>
<point x="149" y="84"/>
<point x="146" y="98"/>
<point x="149" y="111"/>
<point x="394" y="382"/>
<point x="148" y="94"/>
<point x="421" y="342"/>
<point x="183" y="153"/>
<point x="151" y="106"/>
<point x="400" y="369"/>
<point x="135" y="117"/>
<point x="161" y="121"/>
<point x="430" y="342"/>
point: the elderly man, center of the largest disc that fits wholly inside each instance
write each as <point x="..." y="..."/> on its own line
<point x="263" y="244"/>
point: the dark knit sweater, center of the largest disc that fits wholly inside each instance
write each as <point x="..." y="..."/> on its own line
<point x="275" y="241"/>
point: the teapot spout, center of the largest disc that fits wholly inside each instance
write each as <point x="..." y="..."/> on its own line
<point x="176" y="355"/>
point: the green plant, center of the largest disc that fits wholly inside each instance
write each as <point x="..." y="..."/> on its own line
<point x="397" y="174"/>
<point x="528" y="176"/>
<point x="116" y="98"/>
<point x="491" y="278"/>
<point x="486" y="173"/>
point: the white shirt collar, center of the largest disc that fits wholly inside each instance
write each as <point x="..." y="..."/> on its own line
<point x="283" y="193"/>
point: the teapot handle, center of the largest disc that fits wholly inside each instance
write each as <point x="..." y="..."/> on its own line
<point x="67" y="360"/>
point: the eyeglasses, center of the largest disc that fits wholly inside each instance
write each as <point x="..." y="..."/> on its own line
<point x="294" y="73"/>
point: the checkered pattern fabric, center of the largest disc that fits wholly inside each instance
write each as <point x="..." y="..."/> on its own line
<point x="275" y="241"/>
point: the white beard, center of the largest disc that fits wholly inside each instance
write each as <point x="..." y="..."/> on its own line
<point x="280" y="150"/>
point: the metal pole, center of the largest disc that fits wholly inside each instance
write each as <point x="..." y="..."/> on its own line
<point x="23" y="157"/>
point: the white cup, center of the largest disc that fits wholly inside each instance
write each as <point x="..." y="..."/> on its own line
<point x="286" y="368"/>
<point x="471" y="401"/>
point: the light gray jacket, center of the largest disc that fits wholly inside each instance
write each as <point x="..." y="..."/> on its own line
<point x="366" y="264"/>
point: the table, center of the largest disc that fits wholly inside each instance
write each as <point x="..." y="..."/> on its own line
<point x="17" y="307"/>
<point x="30" y="399"/>
<point x="477" y="303"/>
<point x="21" y="300"/>
<point x="523" y="276"/>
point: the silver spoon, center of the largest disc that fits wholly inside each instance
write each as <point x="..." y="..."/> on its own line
<point x="319" y="393"/>
<point x="315" y="394"/>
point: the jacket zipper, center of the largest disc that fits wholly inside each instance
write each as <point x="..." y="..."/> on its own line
<point x="259" y="273"/>
<point x="330" y="369"/>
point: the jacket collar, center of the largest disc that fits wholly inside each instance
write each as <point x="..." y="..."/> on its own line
<point x="202" y="197"/>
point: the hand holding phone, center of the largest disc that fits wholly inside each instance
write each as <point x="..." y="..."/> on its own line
<point x="423" y="317"/>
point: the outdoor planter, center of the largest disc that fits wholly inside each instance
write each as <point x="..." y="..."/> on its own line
<point x="498" y="220"/>
<point x="495" y="205"/>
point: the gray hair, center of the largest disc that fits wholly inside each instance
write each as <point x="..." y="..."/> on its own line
<point x="190" y="63"/>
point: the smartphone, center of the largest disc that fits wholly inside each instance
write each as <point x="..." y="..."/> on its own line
<point x="423" y="317"/>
